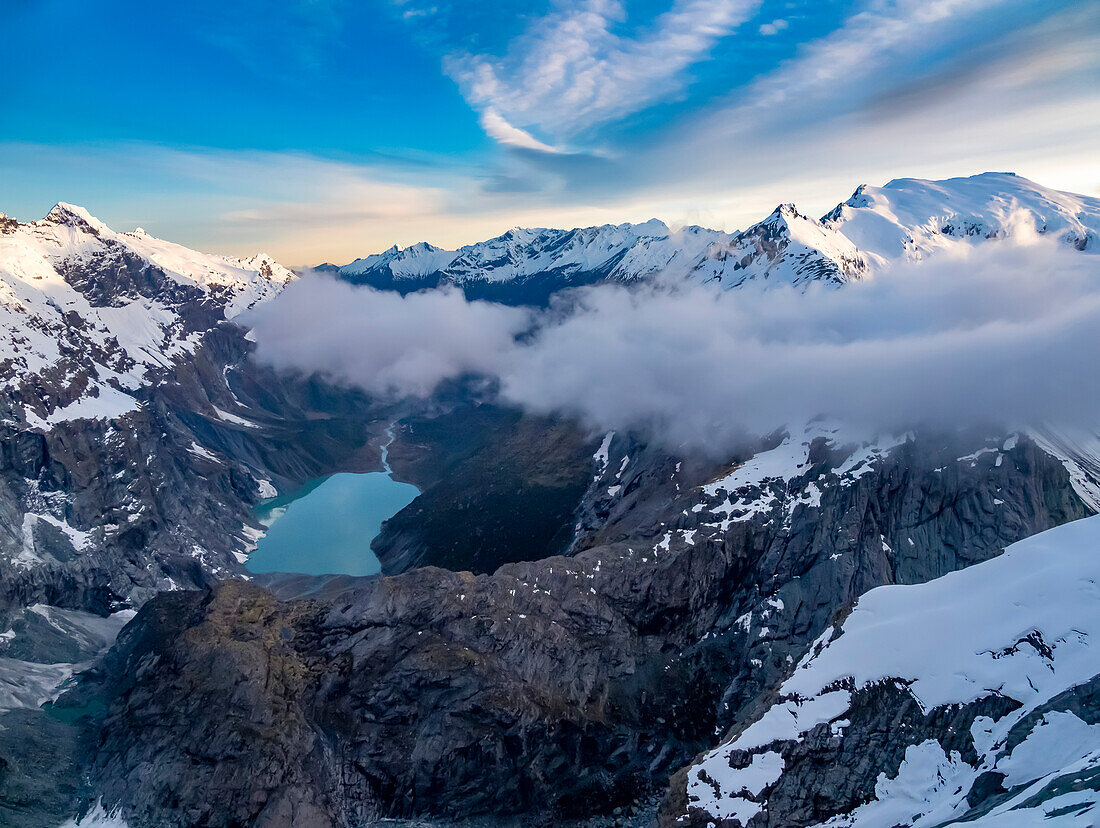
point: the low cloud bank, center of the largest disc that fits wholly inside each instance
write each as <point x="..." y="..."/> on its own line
<point x="1005" y="332"/>
<point x="380" y="341"/>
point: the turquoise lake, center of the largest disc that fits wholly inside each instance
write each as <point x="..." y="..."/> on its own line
<point x="326" y="527"/>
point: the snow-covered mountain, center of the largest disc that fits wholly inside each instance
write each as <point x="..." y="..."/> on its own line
<point x="971" y="699"/>
<point x="117" y="423"/>
<point x="906" y="219"/>
<point x="413" y="262"/>
<point x="87" y="313"/>
<point x="526" y="266"/>
<point x="911" y="218"/>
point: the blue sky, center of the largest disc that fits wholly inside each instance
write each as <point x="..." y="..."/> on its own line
<point x="327" y="129"/>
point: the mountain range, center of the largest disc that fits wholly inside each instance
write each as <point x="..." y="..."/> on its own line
<point x="907" y="219"/>
<point x="107" y="333"/>
<point x="819" y="627"/>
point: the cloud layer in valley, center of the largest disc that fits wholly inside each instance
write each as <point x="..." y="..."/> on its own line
<point x="385" y="343"/>
<point x="1007" y="332"/>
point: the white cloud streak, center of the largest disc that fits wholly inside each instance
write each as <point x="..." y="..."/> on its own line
<point x="854" y="106"/>
<point x="500" y="130"/>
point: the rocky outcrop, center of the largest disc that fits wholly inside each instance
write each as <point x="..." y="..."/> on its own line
<point x="430" y="694"/>
<point x="971" y="696"/>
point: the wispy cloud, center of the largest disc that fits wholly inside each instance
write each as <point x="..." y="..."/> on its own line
<point x="906" y="88"/>
<point x="1012" y="91"/>
<point x="572" y="71"/>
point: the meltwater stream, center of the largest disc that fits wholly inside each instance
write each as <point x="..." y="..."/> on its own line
<point x="326" y="526"/>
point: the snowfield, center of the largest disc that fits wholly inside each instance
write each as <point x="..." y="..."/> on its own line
<point x="911" y="218"/>
<point x="1020" y="627"/>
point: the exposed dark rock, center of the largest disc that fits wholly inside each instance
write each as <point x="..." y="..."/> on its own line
<point x="565" y="687"/>
<point x="41" y="773"/>
<point x="497" y="487"/>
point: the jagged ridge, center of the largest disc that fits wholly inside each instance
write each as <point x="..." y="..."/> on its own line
<point x="905" y="219"/>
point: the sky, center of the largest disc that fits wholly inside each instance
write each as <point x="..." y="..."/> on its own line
<point x="324" y="130"/>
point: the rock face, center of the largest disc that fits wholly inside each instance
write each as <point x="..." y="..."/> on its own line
<point x="106" y="337"/>
<point x="564" y="687"/>
<point x="815" y="521"/>
<point x="416" y="696"/>
<point x="136" y="434"/>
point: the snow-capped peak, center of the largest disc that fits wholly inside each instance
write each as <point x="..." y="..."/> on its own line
<point x="910" y="218"/>
<point x="72" y="215"/>
<point x="905" y="219"/>
<point x="653" y="227"/>
<point x="419" y="259"/>
<point x="95" y="310"/>
<point x="787" y="248"/>
<point x="785" y="210"/>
